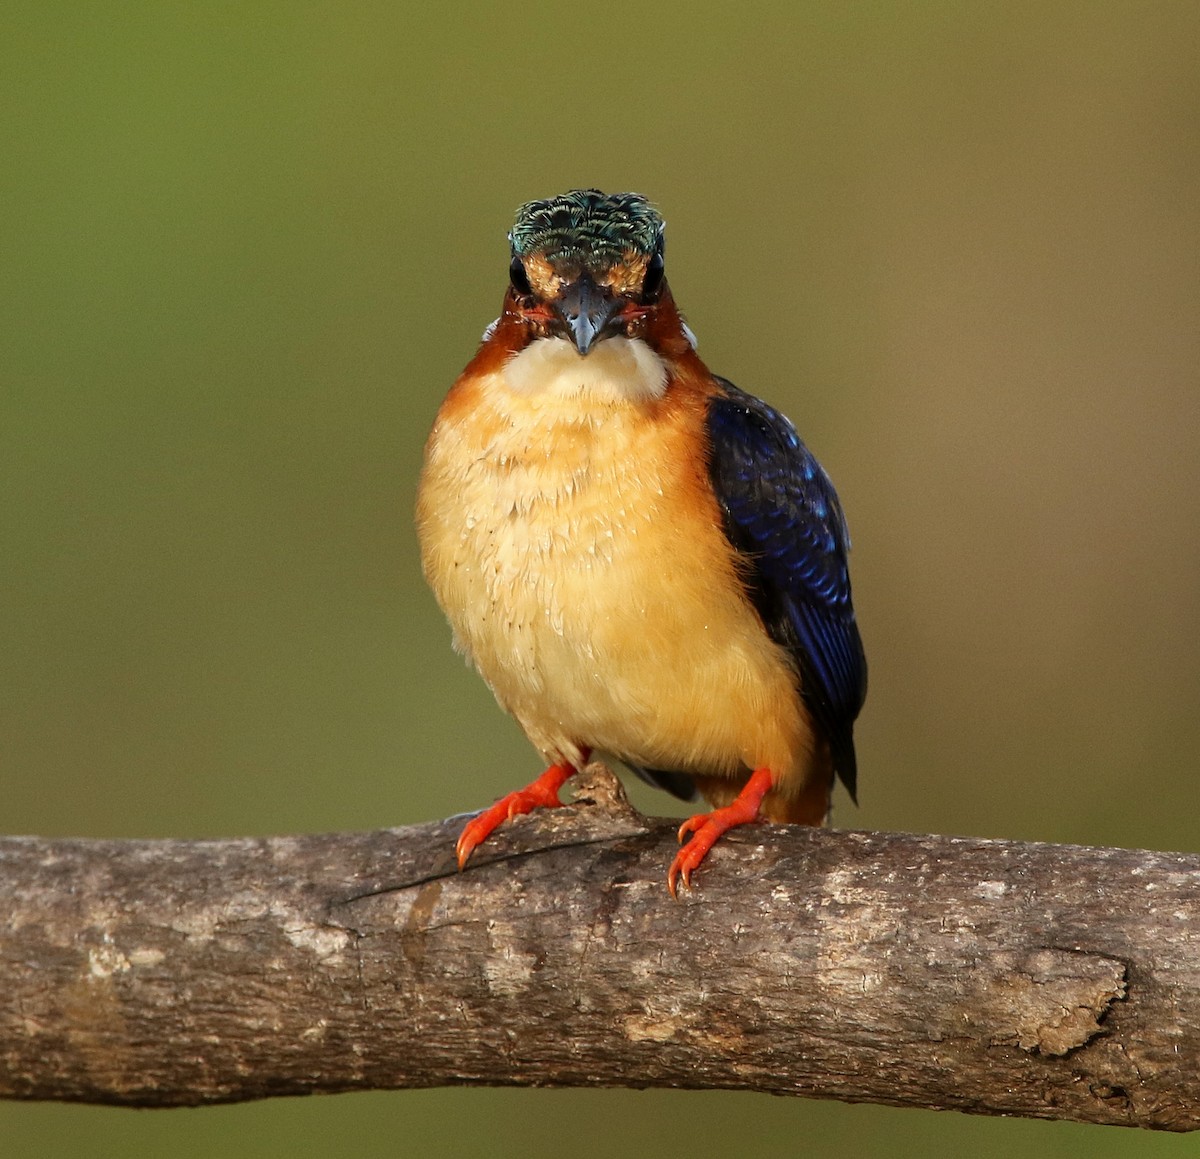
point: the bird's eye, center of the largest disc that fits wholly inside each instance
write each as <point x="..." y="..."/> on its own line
<point x="652" y="282"/>
<point x="519" y="278"/>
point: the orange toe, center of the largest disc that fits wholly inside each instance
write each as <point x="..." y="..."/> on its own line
<point x="706" y="828"/>
<point x="539" y="794"/>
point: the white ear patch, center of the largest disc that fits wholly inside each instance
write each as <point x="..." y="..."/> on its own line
<point x="621" y="369"/>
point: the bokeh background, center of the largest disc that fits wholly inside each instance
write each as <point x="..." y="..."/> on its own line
<point x="245" y="248"/>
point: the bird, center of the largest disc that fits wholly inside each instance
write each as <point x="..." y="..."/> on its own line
<point x="640" y="559"/>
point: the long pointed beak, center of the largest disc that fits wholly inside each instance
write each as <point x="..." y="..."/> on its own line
<point x="586" y="309"/>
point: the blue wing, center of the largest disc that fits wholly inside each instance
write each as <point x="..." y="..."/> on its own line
<point x="782" y="515"/>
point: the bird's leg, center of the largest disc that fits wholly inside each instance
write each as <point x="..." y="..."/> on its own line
<point x="541" y="793"/>
<point x="707" y="827"/>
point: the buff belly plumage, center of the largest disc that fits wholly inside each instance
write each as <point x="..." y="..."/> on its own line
<point x="569" y="534"/>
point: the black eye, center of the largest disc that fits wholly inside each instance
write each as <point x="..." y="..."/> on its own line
<point x="652" y="282"/>
<point x="519" y="278"/>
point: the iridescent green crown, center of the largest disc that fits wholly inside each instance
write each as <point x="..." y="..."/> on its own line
<point x="586" y="224"/>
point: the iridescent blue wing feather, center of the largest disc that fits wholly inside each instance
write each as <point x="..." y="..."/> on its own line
<point x="782" y="515"/>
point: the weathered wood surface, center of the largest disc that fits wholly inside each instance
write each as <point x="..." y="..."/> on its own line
<point x="986" y="976"/>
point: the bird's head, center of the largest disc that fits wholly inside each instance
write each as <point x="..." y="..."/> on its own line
<point x="587" y="266"/>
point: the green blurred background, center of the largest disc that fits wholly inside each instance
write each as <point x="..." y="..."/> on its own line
<point x="246" y="248"/>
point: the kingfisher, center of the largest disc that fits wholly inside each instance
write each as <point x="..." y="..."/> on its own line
<point x="640" y="559"/>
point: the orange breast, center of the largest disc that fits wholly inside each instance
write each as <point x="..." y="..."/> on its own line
<point x="569" y="531"/>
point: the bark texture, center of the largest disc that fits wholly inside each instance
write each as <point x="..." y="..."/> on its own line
<point x="985" y="976"/>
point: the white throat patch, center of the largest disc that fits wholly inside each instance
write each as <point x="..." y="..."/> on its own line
<point x="620" y="369"/>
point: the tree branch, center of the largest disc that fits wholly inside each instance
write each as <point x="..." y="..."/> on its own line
<point x="985" y="976"/>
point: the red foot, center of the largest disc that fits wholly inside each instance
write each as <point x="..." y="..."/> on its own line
<point x="707" y="827"/>
<point x="539" y="794"/>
